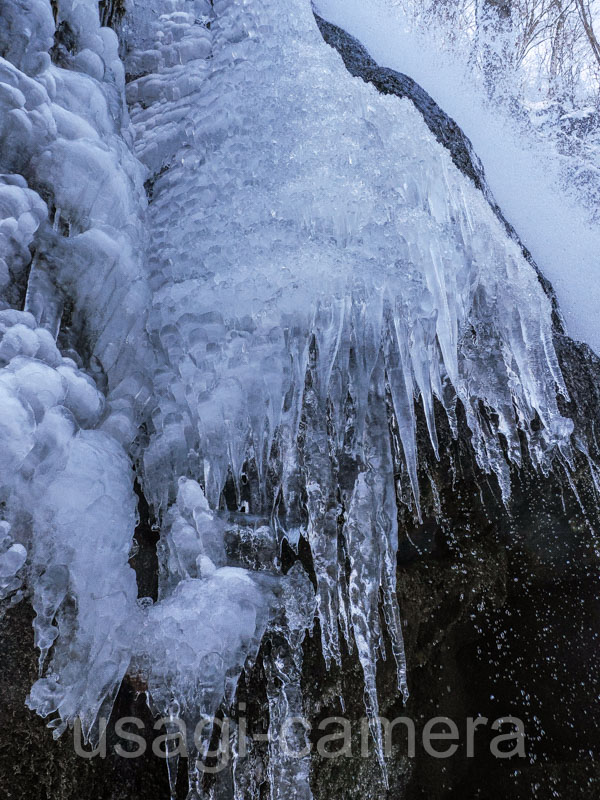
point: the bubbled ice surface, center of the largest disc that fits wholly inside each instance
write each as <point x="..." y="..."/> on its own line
<point x="67" y="489"/>
<point x="69" y="198"/>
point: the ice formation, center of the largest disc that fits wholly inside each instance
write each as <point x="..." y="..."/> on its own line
<point x="309" y="266"/>
<point x="537" y="186"/>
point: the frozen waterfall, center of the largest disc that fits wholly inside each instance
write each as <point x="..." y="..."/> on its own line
<point x="252" y="333"/>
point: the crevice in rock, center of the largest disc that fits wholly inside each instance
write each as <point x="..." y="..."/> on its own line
<point x="145" y="559"/>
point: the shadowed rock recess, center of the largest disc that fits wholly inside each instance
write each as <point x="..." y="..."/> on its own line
<point x="497" y="590"/>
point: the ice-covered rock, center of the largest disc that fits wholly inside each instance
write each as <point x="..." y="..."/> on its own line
<point x="65" y="132"/>
<point x="198" y="637"/>
<point x="21" y="213"/>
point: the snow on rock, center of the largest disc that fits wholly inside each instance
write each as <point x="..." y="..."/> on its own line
<point x="542" y="193"/>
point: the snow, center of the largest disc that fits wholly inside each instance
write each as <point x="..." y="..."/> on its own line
<point x="524" y="171"/>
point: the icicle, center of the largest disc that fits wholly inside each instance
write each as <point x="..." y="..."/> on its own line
<point x="363" y="594"/>
<point x="289" y="755"/>
<point x="322" y="507"/>
<point x="399" y="374"/>
<point x="194" y="782"/>
<point x="569" y="477"/>
<point x="51" y="591"/>
<point x="172" y="747"/>
<point x="370" y="532"/>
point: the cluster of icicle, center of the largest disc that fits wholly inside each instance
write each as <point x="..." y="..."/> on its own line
<point x="309" y="266"/>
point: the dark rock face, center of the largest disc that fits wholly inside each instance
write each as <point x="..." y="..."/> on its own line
<point x="500" y="612"/>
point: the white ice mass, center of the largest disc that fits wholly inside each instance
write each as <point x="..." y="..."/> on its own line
<point x="309" y="263"/>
